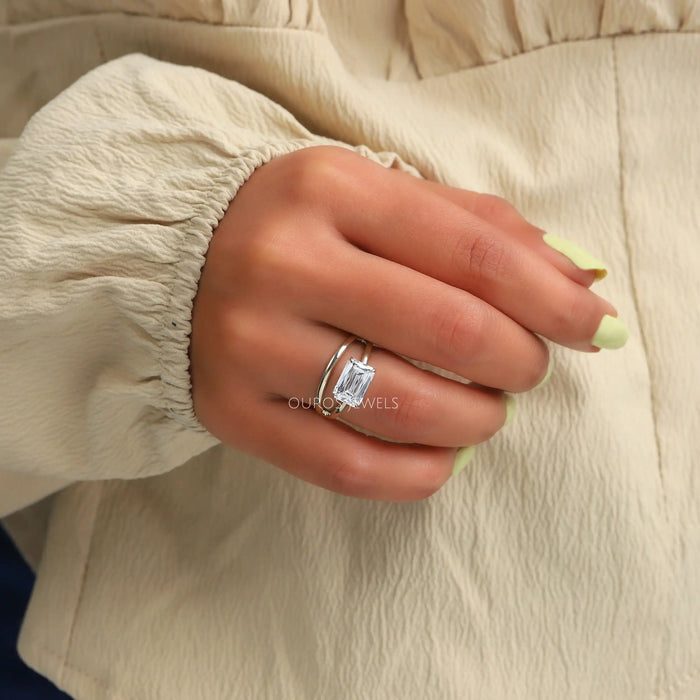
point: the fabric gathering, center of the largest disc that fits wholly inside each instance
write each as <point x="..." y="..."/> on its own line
<point x="562" y="562"/>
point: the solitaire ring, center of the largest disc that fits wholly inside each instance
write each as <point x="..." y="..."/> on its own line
<point x="352" y="383"/>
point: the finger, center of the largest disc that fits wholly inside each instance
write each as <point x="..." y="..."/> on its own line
<point x="323" y="452"/>
<point x="336" y="457"/>
<point x="576" y="263"/>
<point x="415" y="315"/>
<point x="411" y="226"/>
<point x="403" y="402"/>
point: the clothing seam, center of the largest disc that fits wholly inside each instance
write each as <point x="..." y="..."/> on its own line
<point x="597" y="37"/>
<point x="642" y="333"/>
<point x="628" y="248"/>
<point x="83" y="577"/>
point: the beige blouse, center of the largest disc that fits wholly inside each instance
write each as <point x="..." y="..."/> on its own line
<point x="564" y="562"/>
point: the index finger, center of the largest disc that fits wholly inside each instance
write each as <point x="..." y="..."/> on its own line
<point x="398" y="218"/>
<point x="568" y="257"/>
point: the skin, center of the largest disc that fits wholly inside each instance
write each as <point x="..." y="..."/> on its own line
<point x="322" y="243"/>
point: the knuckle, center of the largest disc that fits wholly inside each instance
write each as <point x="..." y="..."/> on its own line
<point x="351" y="475"/>
<point x="483" y="257"/>
<point x="318" y="172"/>
<point x="270" y="256"/>
<point x="261" y="253"/>
<point x="240" y="332"/>
<point x="449" y="329"/>
<point x="458" y="335"/>
<point x="492" y="207"/>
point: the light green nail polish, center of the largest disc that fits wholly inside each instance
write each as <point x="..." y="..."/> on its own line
<point x="546" y="376"/>
<point x="611" y="334"/>
<point x="463" y="457"/>
<point x="510" y="409"/>
<point x="578" y="256"/>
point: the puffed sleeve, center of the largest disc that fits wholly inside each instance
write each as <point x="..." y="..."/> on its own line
<point x="107" y="206"/>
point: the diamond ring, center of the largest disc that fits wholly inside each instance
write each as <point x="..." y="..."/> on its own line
<point x="352" y="383"/>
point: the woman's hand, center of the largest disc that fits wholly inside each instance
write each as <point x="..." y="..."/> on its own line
<point x="322" y="243"/>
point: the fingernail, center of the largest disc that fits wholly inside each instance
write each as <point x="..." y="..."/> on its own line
<point x="611" y="333"/>
<point x="510" y="409"/>
<point x="578" y="256"/>
<point x="463" y="457"/>
<point x="546" y="377"/>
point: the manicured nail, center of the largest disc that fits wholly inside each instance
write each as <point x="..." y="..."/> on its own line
<point x="510" y="409"/>
<point x="578" y="256"/>
<point x="463" y="457"/>
<point x="611" y="334"/>
<point x="546" y="376"/>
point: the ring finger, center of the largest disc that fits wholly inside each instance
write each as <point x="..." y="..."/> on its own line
<point x="403" y="402"/>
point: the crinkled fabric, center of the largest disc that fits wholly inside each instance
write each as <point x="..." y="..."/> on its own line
<point x="564" y="562"/>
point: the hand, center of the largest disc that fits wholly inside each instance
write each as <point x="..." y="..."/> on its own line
<point x="322" y="243"/>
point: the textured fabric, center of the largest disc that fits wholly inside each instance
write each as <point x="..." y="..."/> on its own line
<point x="564" y="562"/>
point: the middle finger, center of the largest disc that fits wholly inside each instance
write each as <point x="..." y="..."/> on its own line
<point x="415" y="315"/>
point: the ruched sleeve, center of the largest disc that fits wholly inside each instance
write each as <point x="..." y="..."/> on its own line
<point x="108" y="204"/>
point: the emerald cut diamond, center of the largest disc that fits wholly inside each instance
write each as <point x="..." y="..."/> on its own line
<point x="353" y="382"/>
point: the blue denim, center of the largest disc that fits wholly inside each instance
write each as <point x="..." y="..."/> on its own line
<point x="17" y="680"/>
